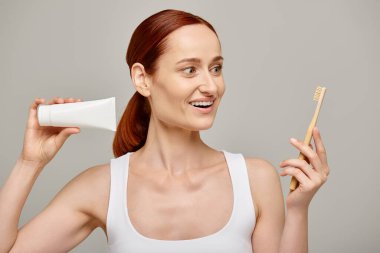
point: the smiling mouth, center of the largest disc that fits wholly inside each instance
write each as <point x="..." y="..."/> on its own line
<point x="202" y="104"/>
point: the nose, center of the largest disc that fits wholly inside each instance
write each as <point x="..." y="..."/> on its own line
<point x="208" y="84"/>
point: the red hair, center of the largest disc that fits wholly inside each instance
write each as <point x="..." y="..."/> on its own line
<point x="146" y="46"/>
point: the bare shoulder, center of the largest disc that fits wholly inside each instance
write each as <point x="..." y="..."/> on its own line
<point x="79" y="208"/>
<point x="89" y="192"/>
<point x="264" y="182"/>
<point x="259" y="168"/>
<point x="97" y="175"/>
<point x="94" y="179"/>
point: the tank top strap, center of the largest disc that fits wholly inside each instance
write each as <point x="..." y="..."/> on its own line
<point x="243" y="204"/>
<point x="116" y="213"/>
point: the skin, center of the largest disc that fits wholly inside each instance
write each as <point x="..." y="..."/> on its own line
<point x="175" y="167"/>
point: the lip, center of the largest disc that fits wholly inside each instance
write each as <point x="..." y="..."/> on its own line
<point x="204" y="110"/>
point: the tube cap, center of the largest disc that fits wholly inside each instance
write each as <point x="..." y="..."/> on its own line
<point x="43" y="114"/>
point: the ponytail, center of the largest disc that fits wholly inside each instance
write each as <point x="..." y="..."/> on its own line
<point x="132" y="129"/>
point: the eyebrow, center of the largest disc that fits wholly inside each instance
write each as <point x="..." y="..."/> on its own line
<point x="197" y="60"/>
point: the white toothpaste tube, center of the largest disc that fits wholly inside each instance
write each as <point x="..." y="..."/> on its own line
<point x="92" y="114"/>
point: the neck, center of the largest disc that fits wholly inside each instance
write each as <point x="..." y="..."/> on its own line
<point x="173" y="149"/>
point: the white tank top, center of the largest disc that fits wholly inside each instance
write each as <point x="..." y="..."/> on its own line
<point x="235" y="236"/>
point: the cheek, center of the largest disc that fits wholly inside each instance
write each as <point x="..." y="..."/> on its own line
<point x="221" y="88"/>
<point x="169" y="95"/>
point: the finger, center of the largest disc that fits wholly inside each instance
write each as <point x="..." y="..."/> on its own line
<point x="65" y="134"/>
<point x="307" y="159"/>
<point x="33" y="107"/>
<point x="59" y="100"/>
<point x="36" y="102"/>
<point x="32" y="123"/>
<point x="56" y="100"/>
<point x="70" y="100"/>
<point x="312" y="156"/>
<point x="306" y="168"/>
<point x="297" y="173"/>
<point x="321" y="150"/>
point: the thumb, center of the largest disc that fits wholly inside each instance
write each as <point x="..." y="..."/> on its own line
<point x="65" y="134"/>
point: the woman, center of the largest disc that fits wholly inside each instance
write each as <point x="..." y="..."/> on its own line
<point x="166" y="190"/>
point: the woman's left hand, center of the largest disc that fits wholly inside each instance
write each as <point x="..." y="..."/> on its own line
<point x="311" y="173"/>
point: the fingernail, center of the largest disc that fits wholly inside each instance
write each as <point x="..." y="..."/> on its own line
<point x="293" y="140"/>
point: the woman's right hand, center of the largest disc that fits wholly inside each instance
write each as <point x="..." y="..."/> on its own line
<point x="41" y="143"/>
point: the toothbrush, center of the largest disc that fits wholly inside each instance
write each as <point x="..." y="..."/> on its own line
<point x="318" y="96"/>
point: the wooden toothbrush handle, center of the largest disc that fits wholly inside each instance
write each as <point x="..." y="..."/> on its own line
<point x="294" y="183"/>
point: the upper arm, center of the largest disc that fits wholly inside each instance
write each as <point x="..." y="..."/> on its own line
<point x="268" y="197"/>
<point x="70" y="217"/>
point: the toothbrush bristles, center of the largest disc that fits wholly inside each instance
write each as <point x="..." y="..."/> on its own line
<point x="317" y="93"/>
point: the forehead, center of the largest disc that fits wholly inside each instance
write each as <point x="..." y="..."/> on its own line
<point x="192" y="41"/>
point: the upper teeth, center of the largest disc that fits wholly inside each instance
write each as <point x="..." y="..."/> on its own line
<point x="202" y="103"/>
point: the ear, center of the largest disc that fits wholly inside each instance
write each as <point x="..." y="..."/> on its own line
<point x="141" y="79"/>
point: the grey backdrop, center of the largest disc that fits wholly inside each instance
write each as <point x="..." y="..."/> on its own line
<point x="276" y="53"/>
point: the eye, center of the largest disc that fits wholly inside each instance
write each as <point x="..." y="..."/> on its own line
<point x="189" y="70"/>
<point x="217" y="69"/>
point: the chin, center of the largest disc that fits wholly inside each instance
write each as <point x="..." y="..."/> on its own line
<point x="192" y="123"/>
<point x="202" y="126"/>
